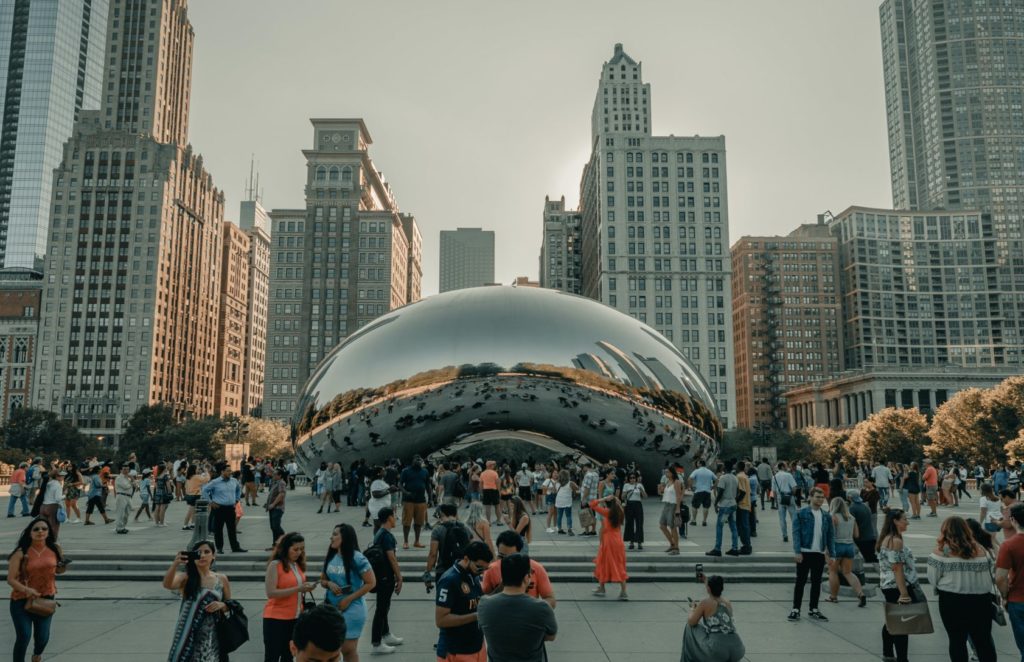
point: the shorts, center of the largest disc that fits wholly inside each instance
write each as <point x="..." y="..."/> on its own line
<point x="668" y="515"/>
<point x="506" y="497"/>
<point x="414" y="513"/>
<point x="490" y="497"/>
<point x="931" y="492"/>
<point x="845" y="550"/>
<point x="701" y="500"/>
<point x="525" y="493"/>
<point x="191" y="499"/>
<point x="549" y="500"/>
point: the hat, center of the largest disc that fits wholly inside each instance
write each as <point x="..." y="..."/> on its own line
<point x="133" y="473"/>
<point x="525" y="465"/>
<point x="853" y="495"/>
<point x="147" y="471"/>
<point x="62" y="473"/>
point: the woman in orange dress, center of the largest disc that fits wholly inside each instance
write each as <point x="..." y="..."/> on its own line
<point x="610" y="564"/>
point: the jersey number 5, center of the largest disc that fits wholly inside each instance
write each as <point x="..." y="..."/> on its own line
<point x="442" y="595"/>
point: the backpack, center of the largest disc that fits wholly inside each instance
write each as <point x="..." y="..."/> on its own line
<point x="453" y="542"/>
<point x="378" y="559"/>
<point x="458" y="490"/>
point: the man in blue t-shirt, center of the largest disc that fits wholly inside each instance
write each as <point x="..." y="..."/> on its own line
<point x="702" y="482"/>
<point x="458" y="593"/>
<point x="413" y="482"/>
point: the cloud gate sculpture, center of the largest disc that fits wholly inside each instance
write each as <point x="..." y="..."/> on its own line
<point x="536" y="363"/>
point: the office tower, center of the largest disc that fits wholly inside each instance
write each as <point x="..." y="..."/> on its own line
<point x="131" y="304"/>
<point x="51" y="68"/>
<point x="256" y="223"/>
<point x="20" y="298"/>
<point x="786" y="317"/>
<point x="336" y="264"/>
<point x="560" y="249"/>
<point x="655" y="227"/>
<point x="467" y="258"/>
<point x="234" y="300"/>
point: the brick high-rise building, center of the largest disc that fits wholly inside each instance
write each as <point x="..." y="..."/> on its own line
<point x="786" y="319"/>
<point x="256" y="223"/>
<point x="338" y="263"/>
<point x="20" y="299"/>
<point x="132" y="296"/>
<point x="234" y="301"/>
<point x="560" y="250"/>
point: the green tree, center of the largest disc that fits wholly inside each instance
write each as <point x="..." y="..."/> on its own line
<point x="266" y="438"/>
<point x="1006" y="407"/>
<point x="826" y="445"/>
<point x="890" y="435"/>
<point x="42" y="432"/>
<point x="962" y="429"/>
<point x="1015" y="448"/>
<point x="147" y="421"/>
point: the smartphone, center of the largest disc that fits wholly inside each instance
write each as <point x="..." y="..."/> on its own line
<point x="699" y="571"/>
<point x="192" y="555"/>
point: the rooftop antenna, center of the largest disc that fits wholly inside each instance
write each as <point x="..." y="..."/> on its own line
<point x="252" y="190"/>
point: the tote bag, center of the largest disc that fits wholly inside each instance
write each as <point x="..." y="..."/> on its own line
<point x="909" y="619"/>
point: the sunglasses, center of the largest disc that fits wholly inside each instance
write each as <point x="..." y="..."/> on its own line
<point x="40" y="528"/>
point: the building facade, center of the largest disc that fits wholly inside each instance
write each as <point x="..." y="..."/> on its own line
<point x="51" y="68"/>
<point x="467" y="258"/>
<point x="234" y="301"/>
<point x="655" y="227"/>
<point x="338" y="263"/>
<point x="256" y="223"/>
<point x="786" y="318"/>
<point x="131" y="300"/>
<point x="20" y="299"/>
<point x="561" y="247"/>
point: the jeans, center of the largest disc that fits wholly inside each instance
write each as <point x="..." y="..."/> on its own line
<point x="276" y="635"/>
<point x="1015" y="610"/>
<point x="968" y="615"/>
<point x="786" y="515"/>
<point x="13" y="500"/>
<point x="813" y="565"/>
<point x="24" y="623"/>
<point x="276" y="531"/>
<point x="567" y="511"/>
<point x="726" y="514"/>
<point x="380" y="627"/>
<point x="905" y="499"/>
<point x="743" y="518"/>
<point x="883" y="496"/>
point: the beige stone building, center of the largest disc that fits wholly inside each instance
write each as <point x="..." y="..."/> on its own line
<point x="256" y="223"/>
<point x="234" y="301"/>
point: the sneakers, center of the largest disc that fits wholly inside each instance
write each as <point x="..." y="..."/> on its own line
<point x="571" y="532"/>
<point x="382" y="649"/>
<point x="733" y="552"/>
<point x="817" y="615"/>
<point x="785" y="538"/>
<point x="713" y="552"/>
<point x="794" y="615"/>
<point x="392" y="640"/>
<point x="561" y="532"/>
<point x="549" y="530"/>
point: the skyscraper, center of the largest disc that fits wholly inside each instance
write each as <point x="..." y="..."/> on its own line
<point x="234" y="299"/>
<point x="51" y="68"/>
<point x="336" y="264"/>
<point x="467" y="258"/>
<point x="133" y="271"/>
<point x="254" y="221"/>
<point x="655" y="227"/>
<point x="560" y="249"/>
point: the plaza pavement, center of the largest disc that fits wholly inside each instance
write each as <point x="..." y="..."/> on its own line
<point x="122" y="621"/>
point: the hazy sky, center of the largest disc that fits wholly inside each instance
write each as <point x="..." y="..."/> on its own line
<point x="478" y="109"/>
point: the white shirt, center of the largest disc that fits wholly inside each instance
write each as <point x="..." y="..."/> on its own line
<point x="784" y="483"/>
<point x="563" y="498"/>
<point x="524" y="478"/>
<point x="375" y="504"/>
<point x="54" y="493"/>
<point x="816" y="541"/>
<point x="669" y="495"/>
<point x="882" y="475"/>
<point x="993" y="510"/>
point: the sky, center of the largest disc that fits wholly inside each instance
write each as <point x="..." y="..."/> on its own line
<point x="478" y="109"/>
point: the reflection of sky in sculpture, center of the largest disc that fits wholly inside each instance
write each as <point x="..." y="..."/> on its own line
<point x="524" y="348"/>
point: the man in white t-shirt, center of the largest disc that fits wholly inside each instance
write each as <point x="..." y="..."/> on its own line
<point x="702" y="483"/>
<point x="883" y="480"/>
<point x="380" y="497"/>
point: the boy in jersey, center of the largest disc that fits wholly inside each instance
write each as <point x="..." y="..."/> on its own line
<point x="458" y="593"/>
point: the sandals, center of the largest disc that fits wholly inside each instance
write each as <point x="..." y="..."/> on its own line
<point x="832" y="600"/>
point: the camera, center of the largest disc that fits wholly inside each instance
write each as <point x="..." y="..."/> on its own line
<point x="699" y="571"/>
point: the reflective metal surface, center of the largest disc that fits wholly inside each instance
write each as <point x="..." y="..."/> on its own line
<point x="458" y="364"/>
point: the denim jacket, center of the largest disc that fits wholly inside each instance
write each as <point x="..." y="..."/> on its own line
<point x="803" y="531"/>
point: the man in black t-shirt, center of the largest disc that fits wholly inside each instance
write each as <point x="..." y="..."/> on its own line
<point x="458" y="594"/>
<point x="413" y="482"/>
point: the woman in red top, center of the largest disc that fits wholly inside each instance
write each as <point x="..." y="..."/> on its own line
<point x="285" y="582"/>
<point x="610" y="564"/>
<point x="32" y="570"/>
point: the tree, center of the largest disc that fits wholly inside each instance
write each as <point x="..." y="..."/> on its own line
<point x="146" y="422"/>
<point x="1015" y="448"/>
<point x="42" y="432"/>
<point x="826" y="445"/>
<point x="1006" y="407"/>
<point x="266" y="438"/>
<point x="962" y="429"/>
<point x="890" y="435"/>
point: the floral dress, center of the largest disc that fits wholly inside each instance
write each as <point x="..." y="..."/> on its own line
<point x="195" y="635"/>
<point x="714" y="639"/>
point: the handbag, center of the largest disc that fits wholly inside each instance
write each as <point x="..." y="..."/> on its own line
<point x="38" y="606"/>
<point x="308" y="601"/>
<point x="587" y="517"/>
<point x="913" y="618"/>
<point x="232" y="628"/>
<point x="998" y="613"/>
<point x="62" y="515"/>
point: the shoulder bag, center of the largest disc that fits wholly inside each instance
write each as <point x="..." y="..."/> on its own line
<point x="909" y="619"/>
<point x="38" y="606"/>
<point x="232" y="628"/>
<point x="998" y="613"/>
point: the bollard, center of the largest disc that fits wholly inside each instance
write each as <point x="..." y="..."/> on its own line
<point x="202" y="530"/>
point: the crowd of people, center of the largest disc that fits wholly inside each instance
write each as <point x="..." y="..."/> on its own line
<point x="493" y="601"/>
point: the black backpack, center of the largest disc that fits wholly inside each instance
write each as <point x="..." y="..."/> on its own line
<point x="379" y="561"/>
<point x="453" y="542"/>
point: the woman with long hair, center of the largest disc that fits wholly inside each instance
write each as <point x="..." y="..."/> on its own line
<point x="519" y="521"/>
<point x="960" y="569"/>
<point x="991" y="513"/>
<point x="506" y="488"/>
<point x="49" y="498"/>
<point x="32" y="570"/>
<point x="348" y="576"/>
<point x="203" y="594"/>
<point x="563" y="500"/>
<point x="550" y="488"/>
<point x="72" y="493"/>
<point x="163" y="493"/>
<point x="284" y="583"/>
<point x="710" y="632"/>
<point x="633" y="494"/>
<point x="845" y="527"/>
<point x="671" y="491"/>
<point x="897" y="577"/>
<point x="479" y="527"/>
<point x="610" y="564"/>
<point x="913" y="486"/>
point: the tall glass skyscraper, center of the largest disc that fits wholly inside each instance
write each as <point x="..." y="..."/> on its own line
<point x="51" y="67"/>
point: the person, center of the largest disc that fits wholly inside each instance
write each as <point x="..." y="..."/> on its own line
<point x="710" y="633"/>
<point x="348" y="576"/>
<point x="725" y="501"/>
<point x="506" y="489"/>
<point x="744" y="507"/>
<point x="671" y="491"/>
<point x="50" y="497"/>
<point x="961" y="571"/>
<point x="865" y="535"/>
<point x="163" y="493"/>
<point x="845" y="527"/>
<point x="588" y="491"/>
<point x="446" y="541"/>
<point x="784" y="486"/>
<point x="563" y="500"/>
<point x="72" y="493"/>
<point x="479" y="527"/>
<point x="275" y="506"/>
<point x="450" y="485"/>
<point x="489" y="484"/>
<point x="897" y="573"/>
<point x="813" y="545"/>
<point x="284" y="583"/>
<point x="328" y="486"/>
<point x="524" y="482"/>
<point x="388" y="584"/>
<point x="380" y="496"/>
<point x="32" y="570"/>
<point x="870" y="495"/>
<point x="96" y="500"/>
<point x="18" y="491"/>
<point x="702" y="482"/>
<point x="194" y="481"/>
<point x="881" y="475"/>
<point x="519" y="521"/>
<point x="991" y="514"/>
<point x="610" y="563"/>
<point x="540" y="585"/>
<point x="1010" y="575"/>
<point x="124" y="488"/>
<point x="33" y="477"/>
<point x="318" y="635"/>
<point x="223" y="493"/>
<point x="633" y="494"/>
<point x="1009" y="499"/>
<point x="764" y="481"/>
<point x="455" y="607"/>
<point x="203" y="594"/>
<point x="145" y="492"/>
<point x="249" y="482"/>
<point x="413" y="482"/>
<point x="514" y="624"/>
<point x="931" y="486"/>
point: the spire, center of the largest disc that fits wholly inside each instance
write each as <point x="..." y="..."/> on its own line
<point x="620" y="55"/>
